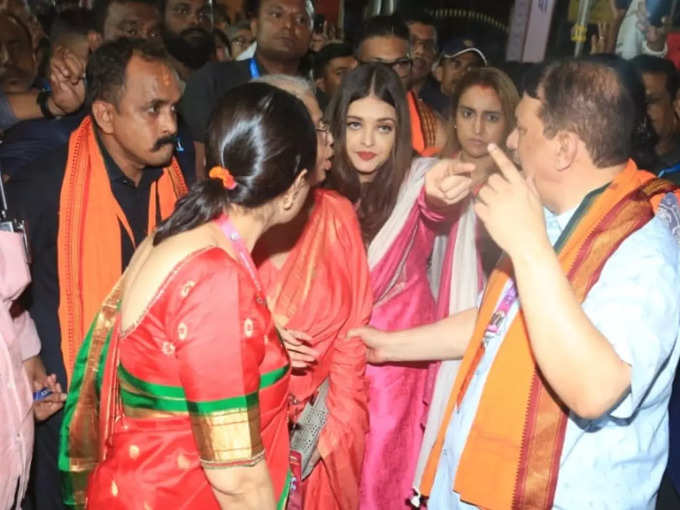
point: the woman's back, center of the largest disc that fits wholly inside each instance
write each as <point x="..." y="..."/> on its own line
<point x="196" y="371"/>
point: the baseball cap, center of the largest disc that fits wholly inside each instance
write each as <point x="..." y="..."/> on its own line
<point x="460" y="45"/>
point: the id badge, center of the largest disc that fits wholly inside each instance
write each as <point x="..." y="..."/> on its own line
<point x="295" y="493"/>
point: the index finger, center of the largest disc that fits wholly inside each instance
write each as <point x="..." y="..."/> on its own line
<point x="506" y="166"/>
<point x="455" y="167"/>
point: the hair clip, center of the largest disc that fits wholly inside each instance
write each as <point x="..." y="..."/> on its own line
<point x="224" y="175"/>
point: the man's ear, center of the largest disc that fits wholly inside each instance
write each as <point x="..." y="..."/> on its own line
<point x="320" y="84"/>
<point x="676" y="105"/>
<point x="102" y="113"/>
<point x="566" y="147"/>
<point x="253" y="27"/>
<point x="94" y="40"/>
<point x="438" y="73"/>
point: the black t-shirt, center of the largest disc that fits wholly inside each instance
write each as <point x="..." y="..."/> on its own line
<point x="205" y="88"/>
<point x="34" y="196"/>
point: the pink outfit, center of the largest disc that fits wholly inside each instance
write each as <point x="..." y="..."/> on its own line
<point x="398" y="393"/>
<point x="18" y="342"/>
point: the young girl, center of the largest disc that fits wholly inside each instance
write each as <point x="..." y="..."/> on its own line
<point x="374" y="168"/>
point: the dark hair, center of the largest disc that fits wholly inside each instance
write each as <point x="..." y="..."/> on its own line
<point x="219" y="11"/>
<point x="384" y="26"/>
<point x="419" y="15"/>
<point x="328" y="53"/>
<point x="584" y="96"/>
<point x="647" y="64"/>
<point x="252" y="7"/>
<point x="249" y="134"/>
<point x="218" y="34"/>
<point x="377" y="199"/>
<point x="517" y="72"/>
<point x="644" y="138"/>
<point x="106" y="68"/>
<point x="22" y="25"/>
<point x="71" y="22"/>
<point x="100" y="10"/>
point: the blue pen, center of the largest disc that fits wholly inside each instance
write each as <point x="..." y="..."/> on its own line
<point x="41" y="395"/>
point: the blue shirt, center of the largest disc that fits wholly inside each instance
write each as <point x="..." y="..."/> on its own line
<point x="617" y="460"/>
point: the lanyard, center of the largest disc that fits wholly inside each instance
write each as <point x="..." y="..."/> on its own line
<point x="235" y="239"/>
<point x="670" y="170"/>
<point x="510" y="295"/>
<point x="254" y="70"/>
<point x="501" y="312"/>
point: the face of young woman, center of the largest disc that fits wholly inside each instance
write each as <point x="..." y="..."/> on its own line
<point x="370" y="132"/>
<point x="479" y="120"/>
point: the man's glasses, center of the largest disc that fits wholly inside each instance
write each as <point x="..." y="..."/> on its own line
<point x="401" y="64"/>
<point x="241" y="41"/>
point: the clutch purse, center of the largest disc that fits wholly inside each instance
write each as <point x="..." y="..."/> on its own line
<point x="306" y="432"/>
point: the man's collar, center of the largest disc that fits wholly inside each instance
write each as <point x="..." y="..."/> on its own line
<point x="558" y="221"/>
<point x="673" y="156"/>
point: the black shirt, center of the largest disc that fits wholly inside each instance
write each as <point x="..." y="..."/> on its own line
<point x="34" y="197"/>
<point x="205" y="88"/>
<point x="670" y="164"/>
<point x="134" y="201"/>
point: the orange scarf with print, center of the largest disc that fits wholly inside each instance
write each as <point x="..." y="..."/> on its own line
<point x="511" y="456"/>
<point x="89" y="251"/>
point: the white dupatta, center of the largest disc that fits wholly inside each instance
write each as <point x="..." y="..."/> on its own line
<point x="464" y="287"/>
<point x="408" y="194"/>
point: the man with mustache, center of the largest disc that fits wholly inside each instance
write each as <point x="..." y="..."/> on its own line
<point x="88" y="204"/>
<point x="282" y="29"/>
<point x="187" y="34"/>
<point x="423" y="34"/>
<point x="111" y="19"/>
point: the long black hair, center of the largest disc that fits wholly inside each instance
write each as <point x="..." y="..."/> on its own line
<point x="250" y="135"/>
<point x="377" y="198"/>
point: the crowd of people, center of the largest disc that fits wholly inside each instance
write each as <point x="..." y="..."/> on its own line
<point x="247" y="263"/>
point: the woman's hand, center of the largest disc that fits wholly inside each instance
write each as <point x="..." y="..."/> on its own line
<point x="302" y="356"/>
<point x="447" y="183"/>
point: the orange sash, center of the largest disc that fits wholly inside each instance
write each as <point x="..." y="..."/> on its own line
<point x="423" y="126"/>
<point x="88" y="241"/>
<point x="511" y="456"/>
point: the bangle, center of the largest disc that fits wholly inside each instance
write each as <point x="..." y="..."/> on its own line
<point x="43" y="97"/>
<point x="646" y="50"/>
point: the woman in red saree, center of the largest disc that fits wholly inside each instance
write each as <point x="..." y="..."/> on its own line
<point x="194" y="384"/>
<point x="316" y="277"/>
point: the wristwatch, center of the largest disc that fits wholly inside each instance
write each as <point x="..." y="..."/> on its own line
<point x="43" y="97"/>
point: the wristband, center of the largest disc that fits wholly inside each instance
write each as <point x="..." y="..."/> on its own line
<point x="43" y="97"/>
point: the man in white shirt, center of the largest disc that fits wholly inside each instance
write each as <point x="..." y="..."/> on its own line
<point x="561" y="400"/>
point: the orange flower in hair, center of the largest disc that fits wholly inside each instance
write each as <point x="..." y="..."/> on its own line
<point x="224" y="175"/>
